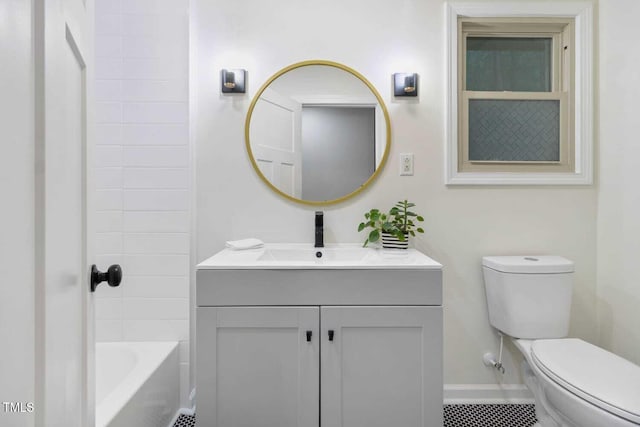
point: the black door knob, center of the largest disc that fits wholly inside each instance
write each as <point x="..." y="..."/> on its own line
<point x="113" y="276"/>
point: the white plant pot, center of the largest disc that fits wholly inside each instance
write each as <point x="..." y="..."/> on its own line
<point x="389" y="241"/>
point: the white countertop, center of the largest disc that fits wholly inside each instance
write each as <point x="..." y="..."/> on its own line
<point x="302" y="256"/>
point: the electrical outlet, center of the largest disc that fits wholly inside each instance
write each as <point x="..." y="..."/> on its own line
<point x="406" y="164"/>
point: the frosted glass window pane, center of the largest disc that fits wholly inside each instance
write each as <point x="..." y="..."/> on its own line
<point x="520" y="130"/>
<point x="514" y="64"/>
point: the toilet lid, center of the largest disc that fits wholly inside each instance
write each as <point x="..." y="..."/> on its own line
<point x="602" y="378"/>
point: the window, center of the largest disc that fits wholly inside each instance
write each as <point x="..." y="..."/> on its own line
<point x="515" y="95"/>
<point x="516" y="114"/>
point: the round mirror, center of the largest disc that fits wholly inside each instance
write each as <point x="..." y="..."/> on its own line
<point x="317" y="132"/>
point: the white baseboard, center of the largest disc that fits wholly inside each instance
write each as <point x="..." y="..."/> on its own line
<point x="486" y="393"/>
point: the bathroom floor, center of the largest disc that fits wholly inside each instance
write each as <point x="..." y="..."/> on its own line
<point x="510" y="415"/>
<point x="185" y="421"/>
<point x="506" y="415"/>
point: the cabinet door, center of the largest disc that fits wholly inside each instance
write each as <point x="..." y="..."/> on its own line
<point x="256" y="368"/>
<point x="383" y="367"/>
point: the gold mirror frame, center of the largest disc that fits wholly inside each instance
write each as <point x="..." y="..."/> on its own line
<point x="373" y="176"/>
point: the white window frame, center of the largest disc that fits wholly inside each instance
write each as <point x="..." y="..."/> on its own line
<point x="582" y="14"/>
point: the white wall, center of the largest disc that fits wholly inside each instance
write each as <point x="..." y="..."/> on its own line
<point x="142" y="172"/>
<point x="619" y="196"/>
<point x="338" y="150"/>
<point x="377" y="38"/>
<point x="17" y="214"/>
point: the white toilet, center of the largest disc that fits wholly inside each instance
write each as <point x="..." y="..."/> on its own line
<point x="575" y="384"/>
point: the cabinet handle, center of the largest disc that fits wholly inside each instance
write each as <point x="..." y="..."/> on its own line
<point x="330" y="334"/>
<point x="309" y="333"/>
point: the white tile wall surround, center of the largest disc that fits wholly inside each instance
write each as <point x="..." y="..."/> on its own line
<point x="142" y="171"/>
<point x="156" y="200"/>
<point x="108" y="200"/>
<point x="108" y="308"/>
<point x="156" y="156"/>
<point x="154" y="90"/>
<point x="108" y="134"/>
<point x="107" y="156"/>
<point x="107" y="7"/>
<point x="165" y="7"/>
<point x="153" y="68"/>
<point x="108" y="112"/>
<point x="157" y="178"/>
<point x="156" y="25"/>
<point x="107" y="292"/>
<point x="109" y="90"/>
<point x="108" y="221"/>
<point x="156" y="330"/>
<point x="158" y="222"/>
<point x="156" y="308"/>
<point x="108" y="178"/>
<point x="155" y="112"/>
<point x="109" y="243"/>
<point x="154" y="46"/>
<point x="109" y="46"/>
<point x="159" y="243"/>
<point x="109" y="24"/>
<point x="156" y="287"/>
<point x="109" y="330"/>
<point x="108" y="68"/>
<point x="157" y="265"/>
<point x="156" y="134"/>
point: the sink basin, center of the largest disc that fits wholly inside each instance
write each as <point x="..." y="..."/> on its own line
<point x="304" y="256"/>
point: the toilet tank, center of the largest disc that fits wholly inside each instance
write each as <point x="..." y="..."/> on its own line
<point x="529" y="296"/>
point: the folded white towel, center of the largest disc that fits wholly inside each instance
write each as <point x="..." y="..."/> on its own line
<point x="238" y="245"/>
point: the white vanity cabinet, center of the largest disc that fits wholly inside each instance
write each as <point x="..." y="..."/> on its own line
<point x="319" y="347"/>
<point x="383" y="367"/>
<point x="256" y="368"/>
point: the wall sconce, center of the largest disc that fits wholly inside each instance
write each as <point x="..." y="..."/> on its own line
<point x="405" y="84"/>
<point x="233" y="80"/>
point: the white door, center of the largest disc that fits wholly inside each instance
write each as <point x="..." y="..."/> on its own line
<point x="64" y="326"/>
<point x="381" y="366"/>
<point x="258" y="366"/>
<point x="276" y="141"/>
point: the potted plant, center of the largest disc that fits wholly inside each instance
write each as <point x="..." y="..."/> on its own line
<point x="394" y="227"/>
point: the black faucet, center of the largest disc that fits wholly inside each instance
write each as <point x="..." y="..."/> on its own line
<point x="319" y="230"/>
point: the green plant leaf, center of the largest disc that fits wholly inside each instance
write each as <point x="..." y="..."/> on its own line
<point x="412" y="233"/>
<point x="419" y="218"/>
<point x="420" y="230"/>
<point x="374" y="236"/>
<point x="365" y="243"/>
<point x="361" y="227"/>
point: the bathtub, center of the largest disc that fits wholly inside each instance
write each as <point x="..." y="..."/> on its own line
<point x="137" y="384"/>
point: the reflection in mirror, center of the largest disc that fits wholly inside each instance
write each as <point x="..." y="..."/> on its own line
<point x="317" y="132"/>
